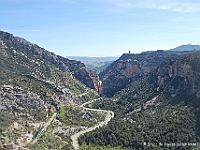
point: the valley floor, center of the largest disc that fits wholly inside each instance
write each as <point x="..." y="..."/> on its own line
<point x="109" y="116"/>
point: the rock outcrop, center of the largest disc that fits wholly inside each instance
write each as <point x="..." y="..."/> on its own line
<point x="118" y="75"/>
<point x="179" y="79"/>
<point x="13" y="97"/>
<point x="129" y="67"/>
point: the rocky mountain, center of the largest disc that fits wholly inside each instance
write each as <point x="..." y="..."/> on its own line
<point x="130" y="66"/>
<point x="179" y="79"/>
<point x="156" y="110"/>
<point x="34" y="85"/>
<point x="118" y="75"/>
<point x="23" y="48"/>
<point x="25" y="67"/>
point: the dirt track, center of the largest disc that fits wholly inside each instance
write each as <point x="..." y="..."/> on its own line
<point x="109" y="116"/>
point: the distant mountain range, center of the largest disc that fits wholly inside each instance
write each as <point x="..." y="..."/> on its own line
<point x="93" y="59"/>
<point x="188" y="47"/>
<point x="97" y="64"/>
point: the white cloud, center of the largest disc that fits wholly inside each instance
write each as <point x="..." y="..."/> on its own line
<point x="172" y="5"/>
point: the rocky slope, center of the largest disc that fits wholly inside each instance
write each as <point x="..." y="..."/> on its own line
<point x="35" y="83"/>
<point x="19" y="46"/>
<point x="118" y="75"/>
<point x="30" y="75"/>
<point x="179" y="79"/>
<point x="129" y="67"/>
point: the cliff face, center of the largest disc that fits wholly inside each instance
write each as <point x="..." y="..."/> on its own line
<point x="80" y="71"/>
<point x="118" y="75"/>
<point x="179" y="79"/>
<point x="151" y="59"/>
<point x="129" y="67"/>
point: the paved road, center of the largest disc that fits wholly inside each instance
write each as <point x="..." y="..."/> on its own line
<point x="109" y="116"/>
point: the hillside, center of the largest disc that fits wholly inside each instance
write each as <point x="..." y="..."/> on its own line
<point x="41" y="56"/>
<point x="35" y="85"/>
<point x="131" y="66"/>
<point x="158" y="111"/>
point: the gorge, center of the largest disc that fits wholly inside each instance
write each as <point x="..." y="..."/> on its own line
<point x="47" y="101"/>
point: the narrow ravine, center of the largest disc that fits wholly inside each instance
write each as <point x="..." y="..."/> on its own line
<point x="108" y="117"/>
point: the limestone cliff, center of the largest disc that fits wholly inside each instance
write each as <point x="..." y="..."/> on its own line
<point x="179" y="78"/>
<point x="118" y="75"/>
<point x="131" y="66"/>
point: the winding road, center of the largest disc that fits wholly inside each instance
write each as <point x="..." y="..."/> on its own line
<point x="109" y="116"/>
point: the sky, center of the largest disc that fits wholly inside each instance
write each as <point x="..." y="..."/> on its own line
<point x="102" y="27"/>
